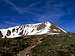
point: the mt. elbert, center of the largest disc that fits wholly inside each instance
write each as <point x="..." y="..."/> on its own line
<point x="31" y="29"/>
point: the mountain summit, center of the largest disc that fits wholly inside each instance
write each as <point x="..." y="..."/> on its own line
<point x="31" y="29"/>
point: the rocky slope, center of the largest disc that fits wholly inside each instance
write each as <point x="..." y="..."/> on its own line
<point x="51" y="45"/>
<point x="18" y="40"/>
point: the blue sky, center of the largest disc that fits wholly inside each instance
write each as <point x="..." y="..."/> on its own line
<point x="59" y="12"/>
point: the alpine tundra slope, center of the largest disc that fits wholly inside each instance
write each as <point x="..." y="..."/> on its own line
<point x="31" y="29"/>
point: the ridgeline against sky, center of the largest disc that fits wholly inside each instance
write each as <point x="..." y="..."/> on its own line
<point x="16" y="12"/>
<point x="44" y="28"/>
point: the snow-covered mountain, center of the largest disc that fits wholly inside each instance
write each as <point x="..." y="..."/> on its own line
<point x="31" y="29"/>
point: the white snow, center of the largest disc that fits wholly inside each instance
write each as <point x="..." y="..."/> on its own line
<point x="28" y="28"/>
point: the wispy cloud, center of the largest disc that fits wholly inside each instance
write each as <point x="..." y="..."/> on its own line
<point x="32" y="4"/>
<point x="29" y="8"/>
<point x="52" y="9"/>
<point x="22" y="10"/>
<point x="13" y="6"/>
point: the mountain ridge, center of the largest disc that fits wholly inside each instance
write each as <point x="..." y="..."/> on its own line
<point x="31" y="29"/>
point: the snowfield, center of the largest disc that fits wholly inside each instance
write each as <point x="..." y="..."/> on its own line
<point x="30" y="29"/>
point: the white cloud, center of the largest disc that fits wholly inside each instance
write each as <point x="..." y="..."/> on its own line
<point x="13" y="6"/>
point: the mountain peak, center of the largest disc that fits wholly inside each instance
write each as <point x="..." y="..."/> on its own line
<point x="31" y="29"/>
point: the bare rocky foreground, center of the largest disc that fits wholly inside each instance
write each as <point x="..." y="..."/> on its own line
<point x="41" y="45"/>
